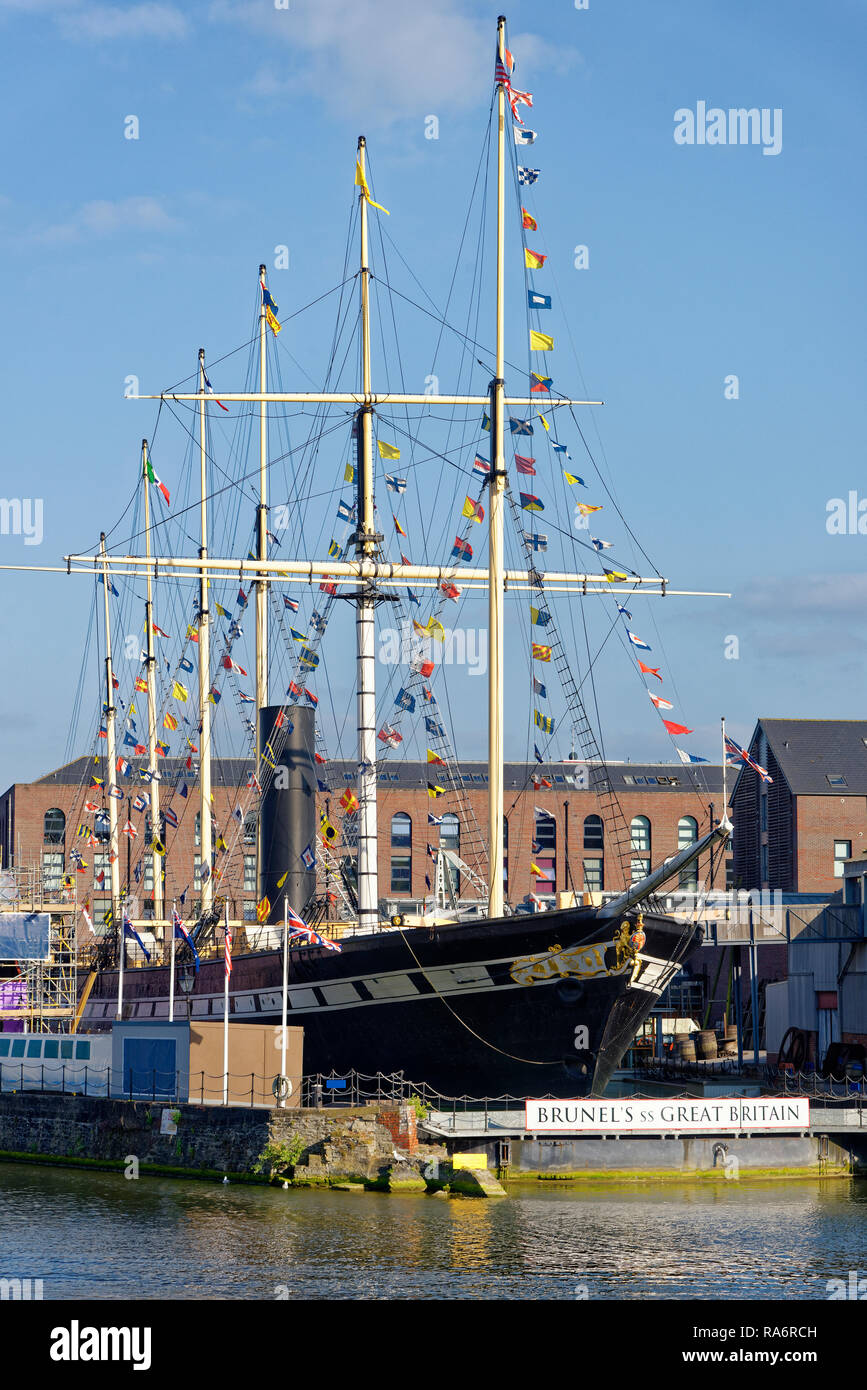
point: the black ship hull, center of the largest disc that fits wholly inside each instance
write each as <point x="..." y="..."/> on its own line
<point x="524" y="1005"/>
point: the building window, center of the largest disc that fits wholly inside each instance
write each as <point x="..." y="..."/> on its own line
<point x="836" y="779"/>
<point x="450" y="839"/>
<point x="593" y="832"/>
<point x="640" y="830"/>
<point x="505" y="858"/>
<point x="197" y="873"/>
<point x="842" y="852"/>
<point x="687" y="834"/>
<point x="102" y="826"/>
<point x="54" y="826"/>
<point x="52" y="870"/>
<point x="593" y="882"/>
<point x="545" y="854"/>
<point x="401" y="860"/>
<point x="197" y="832"/>
<point x="250" y="823"/>
<point x="101" y="865"/>
<point x="249" y="873"/>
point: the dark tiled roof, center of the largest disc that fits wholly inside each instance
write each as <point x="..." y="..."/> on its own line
<point x="809" y="751"/>
<point x="233" y="772"/>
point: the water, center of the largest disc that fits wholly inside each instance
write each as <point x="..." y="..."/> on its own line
<point x="98" y="1236"/>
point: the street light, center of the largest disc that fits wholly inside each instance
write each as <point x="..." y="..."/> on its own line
<point x="186" y="981"/>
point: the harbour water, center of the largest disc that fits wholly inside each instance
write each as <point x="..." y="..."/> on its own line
<point x="95" y="1236"/>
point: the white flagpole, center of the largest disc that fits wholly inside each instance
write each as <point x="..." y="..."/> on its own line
<point x="227" y="949"/>
<point x="285" y="989"/>
<point x="172" y="970"/>
<point x="724" y="773"/>
<point x="120" y="971"/>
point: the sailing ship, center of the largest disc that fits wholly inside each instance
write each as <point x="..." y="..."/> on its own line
<point x="471" y="997"/>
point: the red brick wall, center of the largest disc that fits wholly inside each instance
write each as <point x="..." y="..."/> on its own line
<point x="820" y="820"/>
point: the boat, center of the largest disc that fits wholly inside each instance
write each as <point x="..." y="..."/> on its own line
<point x="473" y="996"/>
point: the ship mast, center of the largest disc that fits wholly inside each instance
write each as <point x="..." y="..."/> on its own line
<point x="207" y="889"/>
<point x="262" y="553"/>
<point x="150" y="662"/>
<point x="496" y="490"/>
<point x="113" y="862"/>
<point x="366" y="541"/>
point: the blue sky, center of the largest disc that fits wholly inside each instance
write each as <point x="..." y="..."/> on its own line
<point x="124" y="256"/>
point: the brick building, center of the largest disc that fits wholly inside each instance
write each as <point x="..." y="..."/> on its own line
<point x="570" y="845"/>
<point x="796" y="834"/>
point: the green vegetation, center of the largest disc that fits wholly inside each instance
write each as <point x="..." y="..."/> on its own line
<point x="421" y="1110"/>
<point x="276" y="1157"/>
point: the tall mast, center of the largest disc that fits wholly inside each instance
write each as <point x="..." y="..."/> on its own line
<point x="207" y="896"/>
<point x="262" y="552"/>
<point x="496" y="490"/>
<point x="150" y="662"/>
<point x="261" y="519"/>
<point x="365" y="621"/>
<point x="114" y="864"/>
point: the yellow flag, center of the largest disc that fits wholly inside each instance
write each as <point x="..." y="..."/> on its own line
<point x="613" y="575"/>
<point x="540" y="342"/>
<point x="180" y="692"/>
<point x="570" y="477"/>
<point x="585" y="509"/>
<point x="349" y="474"/>
<point x="436" y="630"/>
<point x="387" y="451"/>
<point x="534" y="869"/>
<point x="262" y="910"/>
<point x="544" y="422"/>
<point x="361" y="182"/>
<point x="274" y="326"/>
<point x="282" y="880"/>
<point x="433" y="757"/>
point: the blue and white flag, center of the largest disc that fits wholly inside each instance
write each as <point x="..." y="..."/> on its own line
<point x="520" y="426"/>
<point x="524" y="137"/>
<point x="625" y="611"/>
<point x="395" y="484"/>
<point x="538" y="301"/>
<point x="536" y="540"/>
<point x="405" y="701"/>
<point x="345" y="512"/>
<point x="688" y="757"/>
<point x="561" y="449"/>
<point x="637" y="642"/>
<point x="526" y="175"/>
<point x="308" y="858"/>
<point x="182" y="933"/>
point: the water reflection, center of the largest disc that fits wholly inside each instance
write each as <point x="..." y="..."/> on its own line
<point x="96" y="1235"/>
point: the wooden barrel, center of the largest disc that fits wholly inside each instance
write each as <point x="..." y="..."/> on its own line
<point x="707" y="1045"/>
<point x="685" y="1048"/>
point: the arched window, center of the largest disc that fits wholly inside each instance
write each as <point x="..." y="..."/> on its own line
<point x="401" y="853"/>
<point x="54" y="826"/>
<point x="450" y="838"/>
<point x="687" y="834"/>
<point x="545" y="854"/>
<point x="640" y="830"/>
<point x="505" y="857"/>
<point x="594" y="865"/>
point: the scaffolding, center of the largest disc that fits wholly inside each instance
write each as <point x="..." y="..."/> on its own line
<point x="43" y="995"/>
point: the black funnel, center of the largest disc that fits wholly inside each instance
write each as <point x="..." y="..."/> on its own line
<point x="288" y="814"/>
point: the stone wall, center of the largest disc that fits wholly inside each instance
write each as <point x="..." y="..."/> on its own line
<point x="354" y="1145"/>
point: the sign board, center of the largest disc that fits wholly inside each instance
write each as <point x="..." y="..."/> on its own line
<point x="683" y="1115"/>
<point x="25" y="935"/>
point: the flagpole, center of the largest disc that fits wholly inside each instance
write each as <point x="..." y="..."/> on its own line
<point x="724" y="770"/>
<point x="150" y="661"/>
<point x="207" y="887"/>
<point x="366" y="541"/>
<point x="111" y="757"/>
<point x="227" y="948"/>
<point x="285" y="990"/>
<point x="496" y="490"/>
<point x="262" y="552"/>
<point x="172" y="971"/>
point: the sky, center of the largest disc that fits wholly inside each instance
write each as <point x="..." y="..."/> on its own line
<point x="705" y="262"/>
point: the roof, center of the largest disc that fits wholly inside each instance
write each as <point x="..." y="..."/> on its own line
<point x="649" y="777"/>
<point x="809" y="751"/>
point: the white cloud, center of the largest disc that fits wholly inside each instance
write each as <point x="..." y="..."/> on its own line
<point x="377" y="61"/>
<point x="102" y="218"/>
<point x="77" y="19"/>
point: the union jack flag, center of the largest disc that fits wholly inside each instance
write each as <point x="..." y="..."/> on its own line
<point x="299" y="928"/>
<point x="736" y="755"/>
